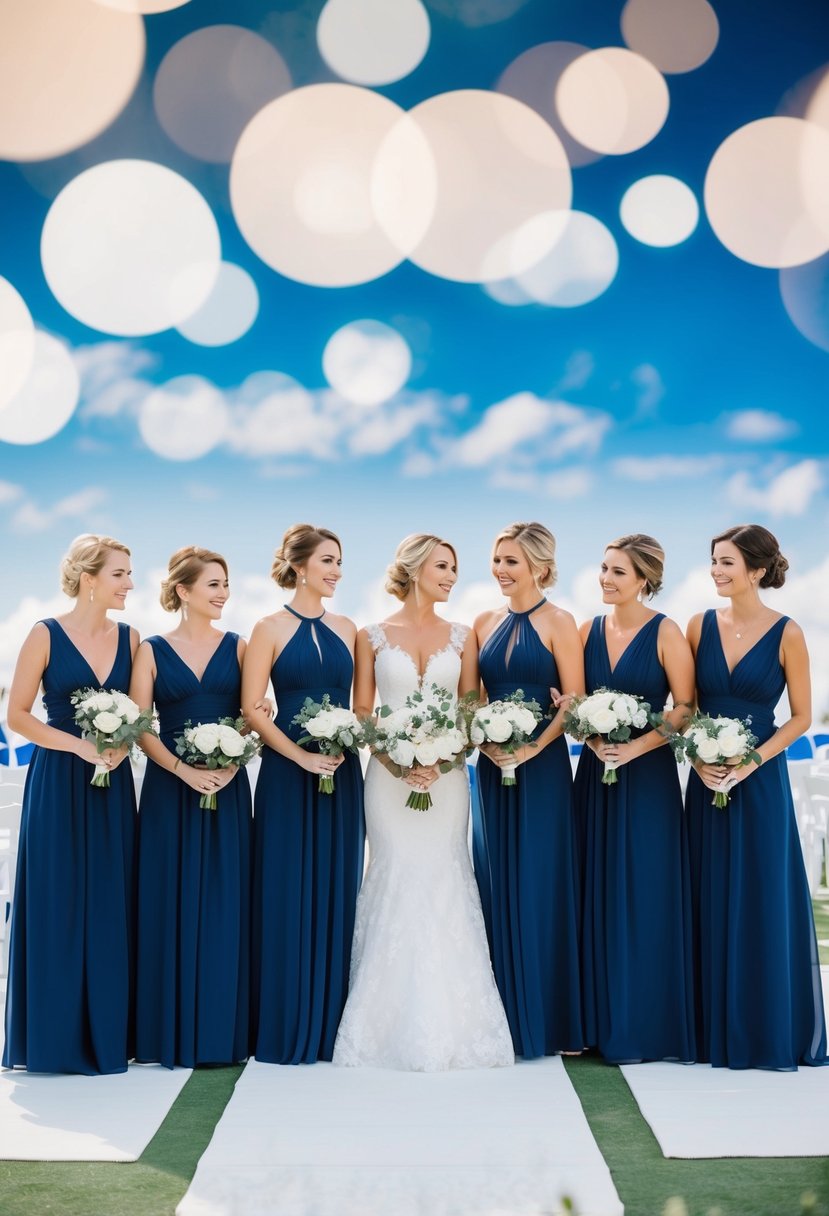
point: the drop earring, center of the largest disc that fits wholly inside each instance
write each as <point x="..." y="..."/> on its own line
<point x="91" y="594"/>
<point x="304" y="581"/>
<point x="185" y="612"/>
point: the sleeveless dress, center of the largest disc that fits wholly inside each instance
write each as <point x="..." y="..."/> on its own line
<point x="308" y="863"/>
<point x="69" y="997"/>
<point x="193" y="883"/>
<point x="759" y="1001"/>
<point x="524" y="848"/>
<point x="636" y="934"/>
<point x="422" y="995"/>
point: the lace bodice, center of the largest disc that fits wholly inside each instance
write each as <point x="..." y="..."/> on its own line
<point x="396" y="673"/>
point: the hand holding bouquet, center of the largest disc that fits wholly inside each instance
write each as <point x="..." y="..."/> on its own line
<point x="215" y="745"/>
<point x="109" y="720"/>
<point x="335" y="729"/>
<point x="718" y="741"/>
<point x="607" y="715"/>
<point x="510" y="723"/>
<point x="428" y="730"/>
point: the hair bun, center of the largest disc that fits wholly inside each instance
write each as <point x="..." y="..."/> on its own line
<point x="282" y="572"/>
<point x="398" y="580"/>
<point x="775" y="575"/>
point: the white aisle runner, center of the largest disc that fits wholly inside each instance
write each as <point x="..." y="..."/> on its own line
<point x="370" y="1142"/>
<point x="44" y="1117"/>
<point x="695" y="1110"/>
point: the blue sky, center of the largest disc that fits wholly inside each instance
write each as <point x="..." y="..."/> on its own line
<point x="681" y="400"/>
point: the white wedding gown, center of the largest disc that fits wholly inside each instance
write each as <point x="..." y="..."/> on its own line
<point x="422" y="995"/>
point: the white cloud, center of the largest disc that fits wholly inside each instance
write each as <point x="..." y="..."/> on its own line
<point x="788" y="493"/>
<point x="577" y="371"/>
<point x="111" y="381"/>
<point x="9" y="492"/>
<point x="650" y="389"/>
<point x="758" y="426"/>
<point x="518" y="424"/>
<point x="665" y="468"/>
<point x="572" y="482"/>
<point x="30" y="517"/>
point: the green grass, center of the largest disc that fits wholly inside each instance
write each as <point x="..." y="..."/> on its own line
<point x="821" y="907"/>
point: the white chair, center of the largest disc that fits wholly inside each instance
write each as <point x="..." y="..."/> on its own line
<point x="9" y="837"/>
<point x="812" y="822"/>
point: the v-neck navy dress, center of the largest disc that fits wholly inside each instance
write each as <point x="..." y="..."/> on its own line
<point x="524" y="852"/>
<point x="308" y="866"/>
<point x="69" y="996"/>
<point x="636" y="932"/>
<point x="193" y="883"/>
<point x="759" y="1001"/>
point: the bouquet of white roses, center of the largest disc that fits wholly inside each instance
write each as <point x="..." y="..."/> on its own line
<point x="335" y="729"/>
<point x="718" y="741"/>
<point x="110" y="720"/>
<point x="610" y="715"/>
<point x="216" y="745"/>
<point x="428" y="729"/>
<point x="510" y="723"/>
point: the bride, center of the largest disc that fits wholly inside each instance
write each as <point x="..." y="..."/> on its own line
<point x="422" y="995"/>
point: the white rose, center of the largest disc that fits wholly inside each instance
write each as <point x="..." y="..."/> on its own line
<point x="450" y="745"/>
<point x="230" y="741"/>
<point x="731" y="744"/>
<point x="344" y="719"/>
<point x="321" y="725"/>
<point x="498" y="728"/>
<point x="596" y="700"/>
<point x="603" y="720"/>
<point x="476" y="734"/>
<point x="624" y="707"/>
<point x="106" y="722"/>
<point x="205" y="738"/>
<point x="99" y="700"/>
<point x="428" y="752"/>
<point x="640" y="718"/>
<point x="402" y="752"/>
<point x="698" y="736"/>
<point x="397" y="720"/>
<point x="708" y="749"/>
<point x="127" y="708"/>
<point x="524" y="719"/>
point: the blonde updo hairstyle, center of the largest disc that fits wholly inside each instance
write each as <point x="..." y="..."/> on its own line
<point x="538" y="546"/>
<point x="647" y="558"/>
<point x="299" y="543"/>
<point x="183" y="569"/>
<point x="87" y="555"/>
<point x="411" y="553"/>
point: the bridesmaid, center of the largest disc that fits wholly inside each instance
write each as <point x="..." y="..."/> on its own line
<point x="69" y="1003"/>
<point x="194" y="865"/>
<point x="308" y="851"/>
<point x="524" y="844"/>
<point x="759" y="1002"/>
<point x="636" y="934"/>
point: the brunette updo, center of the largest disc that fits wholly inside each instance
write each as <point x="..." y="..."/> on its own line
<point x="760" y="550"/>
<point x="647" y="558"/>
<point x="86" y="555"/>
<point x="298" y="544"/>
<point x="183" y="568"/>
<point x="538" y="546"/>
<point x="411" y="553"/>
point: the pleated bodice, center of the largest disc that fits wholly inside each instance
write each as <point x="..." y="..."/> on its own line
<point x="315" y="661"/>
<point x="638" y="670"/>
<point x="181" y="697"/>
<point x="754" y="686"/>
<point x="67" y="671"/>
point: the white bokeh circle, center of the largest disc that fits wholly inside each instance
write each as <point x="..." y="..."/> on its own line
<point x="367" y="362"/>
<point x="17" y="342"/>
<point x="303" y="181"/>
<point x="805" y="294"/>
<point x="183" y="419"/>
<point x="532" y="78"/>
<point x="767" y="192"/>
<point x="579" y="268"/>
<point x="373" y="42"/>
<point x="67" y="69"/>
<point x="211" y="83"/>
<point x="675" y="35"/>
<point x="497" y="166"/>
<point x="227" y="313"/>
<point x="131" y="248"/>
<point x="612" y="100"/>
<point x="659" y="210"/>
<point x="48" y="398"/>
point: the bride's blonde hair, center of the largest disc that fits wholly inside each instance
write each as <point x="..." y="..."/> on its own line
<point x="411" y="553"/>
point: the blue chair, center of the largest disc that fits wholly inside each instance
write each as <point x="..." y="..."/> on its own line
<point x="801" y="749"/>
<point x="820" y="740"/>
<point x="14" y="756"/>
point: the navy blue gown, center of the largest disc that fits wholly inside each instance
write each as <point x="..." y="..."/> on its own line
<point x="759" y="1001"/>
<point x="193" y="883"/>
<point x="636" y="931"/>
<point x="69" y="997"/>
<point x="308" y="866"/>
<point x="524" y="853"/>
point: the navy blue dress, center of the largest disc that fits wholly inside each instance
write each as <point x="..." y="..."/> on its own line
<point x="69" y="998"/>
<point x="524" y="852"/>
<point x="759" y="1001"/>
<point x="636" y="932"/>
<point x="193" y="883"/>
<point x="308" y="866"/>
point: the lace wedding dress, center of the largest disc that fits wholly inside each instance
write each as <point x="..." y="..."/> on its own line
<point x="422" y="996"/>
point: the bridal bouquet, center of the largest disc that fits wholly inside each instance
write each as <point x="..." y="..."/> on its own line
<point x="717" y="741"/>
<point x="510" y="723"/>
<point x="610" y="715"/>
<point x="216" y="745"/>
<point x="109" y="719"/>
<point x="428" y="729"/>
<point x="336" y="730"/>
